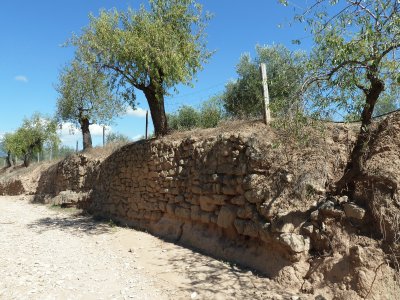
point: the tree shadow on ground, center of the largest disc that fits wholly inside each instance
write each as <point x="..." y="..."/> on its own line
<point x="76" y="224"/>
<point x="215" y="279"/>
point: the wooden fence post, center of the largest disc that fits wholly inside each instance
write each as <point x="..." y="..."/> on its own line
<point x="266" y="112"/>
<point x="104" y="135"/>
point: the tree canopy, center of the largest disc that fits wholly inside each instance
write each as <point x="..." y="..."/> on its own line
<point x="149" y="50"/>
<point x="34" y="134"/>
<point x="187" y="117"/>
<point x="285" y="70"/>
<point x="117" y="138"/>
<point x="356" y="49"/>
<point x="85" y="98"/>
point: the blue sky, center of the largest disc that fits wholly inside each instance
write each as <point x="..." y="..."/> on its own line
<point x="31" y="55"/>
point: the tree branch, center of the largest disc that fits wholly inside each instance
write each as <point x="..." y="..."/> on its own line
<point x="342" y="65"/>
<point x="130" y="79"/>
<point x="328" y="76"/>
<point x="387" y="51"/>
<point x="358" y="3"/>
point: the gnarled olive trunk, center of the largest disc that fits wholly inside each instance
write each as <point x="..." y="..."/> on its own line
<point x="8" y="160"/>
<point x="27" y="160"/>
<point x="157" y="110"/>
<point x="29" y="153"/>
<point x="86" y="136"/>
<point x="355" y="165"/>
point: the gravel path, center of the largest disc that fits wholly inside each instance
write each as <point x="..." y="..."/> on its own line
<point x="48" y="253"/>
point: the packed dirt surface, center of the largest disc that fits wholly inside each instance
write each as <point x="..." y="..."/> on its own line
<point x="48" y="253"/>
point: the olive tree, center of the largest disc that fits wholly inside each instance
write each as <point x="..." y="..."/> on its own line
<point x="209" y="115"/>
<point x="186" y="118"/>
<point x="356" y="56"/>
<point x="86" y="99"/>
<point x="151" y="50"/>
<point x="34" y="133"/>
<point x="117" y="138"/>
<point x="211" y="112"/>
<point x="285" y="69"/>
<point x="10" y="146"/>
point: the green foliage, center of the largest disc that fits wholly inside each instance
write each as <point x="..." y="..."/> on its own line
<point x="356" y="54"/>
<point x="84" y="94"/>
<point x="285" y="71"/>
<point x="211" y="112"/>
<point x="150" y="50"/>
<point x="2" y="150"/>
<point x="386" y="104"/>
<point x="10" y="143"/>
<point x="208" y="116"/>
<point x="186" y="118"/>
<point x="115" y="137"/>
<point x="244" y="97"/>
<point x="33" y="135"/>
<point x="6" y="142"/>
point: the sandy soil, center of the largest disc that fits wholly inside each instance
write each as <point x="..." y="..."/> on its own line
<point x="51" y="253"/>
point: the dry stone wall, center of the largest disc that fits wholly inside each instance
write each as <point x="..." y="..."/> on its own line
<point x="75" y="174"/>
<point x="213" y="194"/>
<point x="11" y="187"/>
<point x="252" y="198"/>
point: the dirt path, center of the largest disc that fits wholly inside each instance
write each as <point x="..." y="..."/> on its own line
<point x="50" y="253"/>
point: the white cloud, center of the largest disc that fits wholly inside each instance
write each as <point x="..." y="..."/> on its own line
<point x="97" y="130"/>
<point x="21" y="78"/>
<point x="69" y="132"/>
<point x="138" y="112"/>
<point x="137" y="137"/>
<point x="67" y="129"/>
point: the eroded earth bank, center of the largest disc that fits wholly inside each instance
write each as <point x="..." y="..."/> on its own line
<point x="240" y="193"/>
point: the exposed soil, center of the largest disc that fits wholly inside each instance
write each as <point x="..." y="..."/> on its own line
<point x="48" y="253"/>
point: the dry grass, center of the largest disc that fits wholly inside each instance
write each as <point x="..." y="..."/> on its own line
<point x="101" y="152"/>
<point x="228" y="127"/>
<point x="21" y="170"/>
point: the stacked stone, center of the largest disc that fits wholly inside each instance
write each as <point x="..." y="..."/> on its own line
<point x="75" y="173"/>
<point x="11" y="187"/>
<point x="213" y="182"/>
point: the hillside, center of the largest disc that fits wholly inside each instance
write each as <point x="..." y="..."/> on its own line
<point x="246" y="193"/>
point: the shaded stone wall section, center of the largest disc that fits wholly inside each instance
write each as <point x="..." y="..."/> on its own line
<point x="212" y="194"/>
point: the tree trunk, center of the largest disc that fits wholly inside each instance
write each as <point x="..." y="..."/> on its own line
<point x="87" y="137"/>
<point x="157" y="110"/>
<point x="355" y="165"/>
<point x="27" y="159"/>
<point x="8" y="160"/>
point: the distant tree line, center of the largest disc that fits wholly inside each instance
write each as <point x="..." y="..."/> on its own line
<point x="31" y="137"/>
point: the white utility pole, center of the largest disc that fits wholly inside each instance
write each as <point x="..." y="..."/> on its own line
<point x="266" y="112"/>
